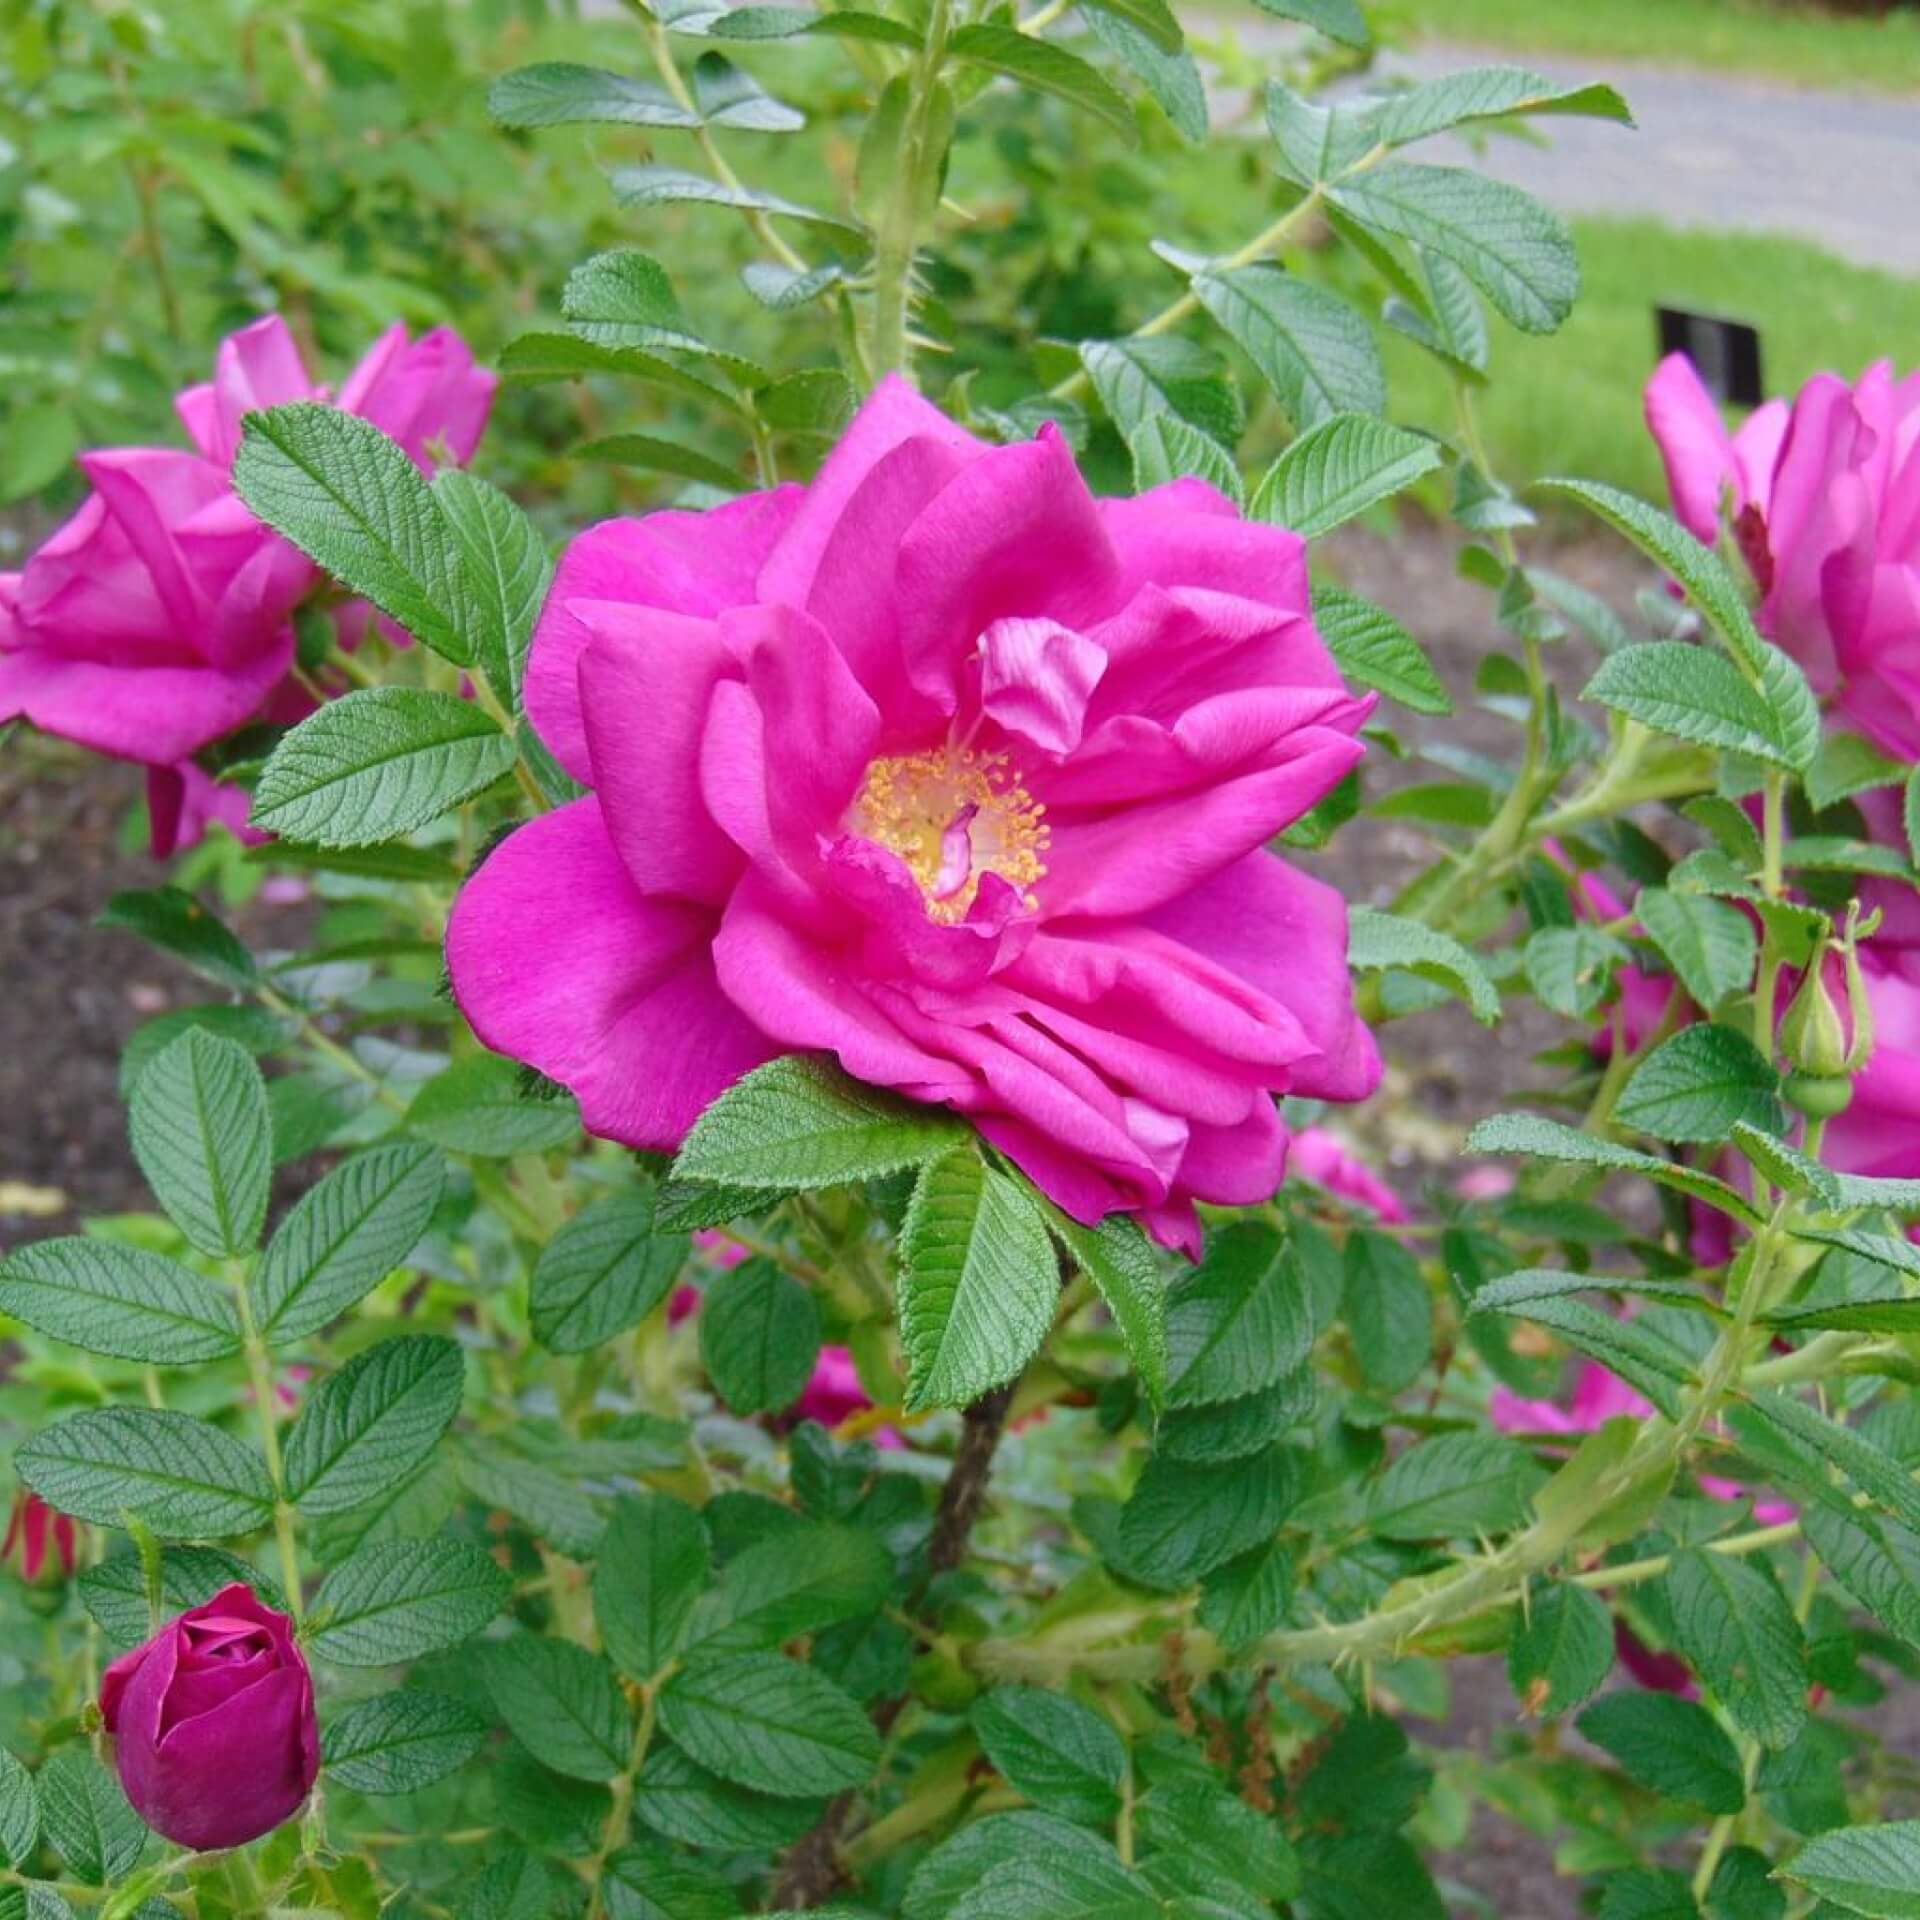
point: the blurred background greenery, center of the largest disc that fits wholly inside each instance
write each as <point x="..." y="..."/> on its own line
<point x="168" y="172"/>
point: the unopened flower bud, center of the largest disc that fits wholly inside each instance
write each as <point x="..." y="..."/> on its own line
<point x="42" y="1546"/>
<point x="1813" y="1036"/>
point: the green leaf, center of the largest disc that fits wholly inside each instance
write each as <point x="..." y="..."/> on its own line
<point x="1743" y="1888"/>
<point x="1062" y="1756"/>
<point x="1388" y="1311"/>
<point x="686" y="1803"/>
<point x="1369" y="645"/>
<point x="1738" y="1633"/>
<point x="107" y="1298"/>
<point x="796" y="1581"/>
<point x="477" y="1107"/>
<point x="1692" y="694"/>
<point x="759" y="1337"/>
<point x="1181" y="1521"/>
<point x="1910" y="815"/>
<point x="175" y="922"/>
<point x="352" y="500"/>
<point x="1165" y="448"/>
<point x="604" y="1271"/>
<point x="182" y="1477"/>
<point x="1511" y="247"/>
<point x="1697" y="1084"/>
<point x="1570" y="968"/>
<point x="727" y="96"/>
<point x="978" y="1280"/>
<point x="1059" y="1886"/>
<point x="1337" y="469"/>
<point x="1377" y="941"/>
<point x="782" y="289"/>
<point x="1152" y="18"/>
<point x="1172" y="78"/>
<point x="1138" y="379"/>
<point x="1709" y="944"/>
<point x="1872" y="1870"/>
<point x="1240" y="1322"/>
<point x="813" y="400"/>
<point x="1646" y="1362"/>
<point x="403" y="1598"/>
<point x="1877" y="1474"/>
<point x="654" y="186"/>
<point x="1554" y="1140"/>
<point x="1339" y="20"/>
<point x="373" y="1422"/>
<point x="377" y="763"/>
<point x="1490" y="93"/>
<point x="558" y="93"/>
<point x="1846" y="765"/>
<point x="87" y="1820"/>
<point x="800" y="1123"/>
<point x="1563" y="1649"/>
<point x="1118" y="1258"/>
<point x="767" y="1723"/>
<point x="1045" y="68"/>
<point x="1360" y="1876"/>
<point x="506" y="573"/>
<point x="1891" y="1313"/>
<point x="624" y="299"/>
<point x="203" y="1138"/>
<point x="343" y="1237"/>
<point x="1234" y="1429"/>
<point x="1453" y="1487"/>
<point x="1237" y="1842"/>
<point x="562" y="1703"/>
<point x="1875" y="1559"/>
<point x="1515" y="1292"/>
<point x="1648" y="1893"/>
<point x="400" y="1742"/>
<point x="962" y="1860"/>
<point x="251" y="1027"/>
<point x="654" y="455"/>
<point x="651" y="1568"/>
<point x="1310" y="347"/>
<point x="516" y="1886"/>
<point x="1671" y="1745"/>
<point x="555" y="1508"/>
<point x="647" y="1881"/>
<point x="115" y="1591"/>
<point x="19" y="1812"/>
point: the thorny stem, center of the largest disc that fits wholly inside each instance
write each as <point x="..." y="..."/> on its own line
<point x="1494" y="1579"/>
<point x="898" y="227"/>
<point x="326" y="1046"/>
<point x="811" y="1868"/>
<point x="260" y="1374"/>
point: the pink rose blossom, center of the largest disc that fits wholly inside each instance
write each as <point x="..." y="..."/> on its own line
<point x="952" y="770"/>
<point x="159" y="617"/>
<point x="1826" y="499"/>
<point x="1317" y="1155"/>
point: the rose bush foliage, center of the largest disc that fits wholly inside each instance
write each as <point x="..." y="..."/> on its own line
<point x="790" y="1300"/>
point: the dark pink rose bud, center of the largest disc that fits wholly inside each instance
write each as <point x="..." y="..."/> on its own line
<point x="42" y="1546"/>
<point x="213" y="1723"/>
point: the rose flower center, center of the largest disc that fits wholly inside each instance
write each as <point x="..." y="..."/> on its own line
<point x="954" y="816"/>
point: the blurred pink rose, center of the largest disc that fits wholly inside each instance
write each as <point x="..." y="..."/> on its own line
<point x="1826" y="499"/>
<point x="1316" y="1155"/>
<point x="951" y="769"/>
<point x="158" y="619"/>
<point x="42" y="1545"/>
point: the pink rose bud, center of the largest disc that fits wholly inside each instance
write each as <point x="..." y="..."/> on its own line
<point x="213" y="1723"/>
<point x="41" y="1546"/>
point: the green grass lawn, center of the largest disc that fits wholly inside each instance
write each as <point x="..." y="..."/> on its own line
<point x="1569" y="403"/>
<point x="1738" y="36"/>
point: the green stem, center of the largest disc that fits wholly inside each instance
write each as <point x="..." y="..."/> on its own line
<point x="260" y="1373"/>
<point x="1492" y="1580"/>
<point x="621" y="1810"/>
<point x="1267" y="240"/>
<point x="897" y="231"/>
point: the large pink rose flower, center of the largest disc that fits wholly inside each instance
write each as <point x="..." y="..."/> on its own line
<point x="1826" y="504"/>
<point x="944" y="766"/>
<point x="159" y="617"/>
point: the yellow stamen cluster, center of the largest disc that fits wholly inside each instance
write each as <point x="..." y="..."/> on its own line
<point x="919" y="804"/>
